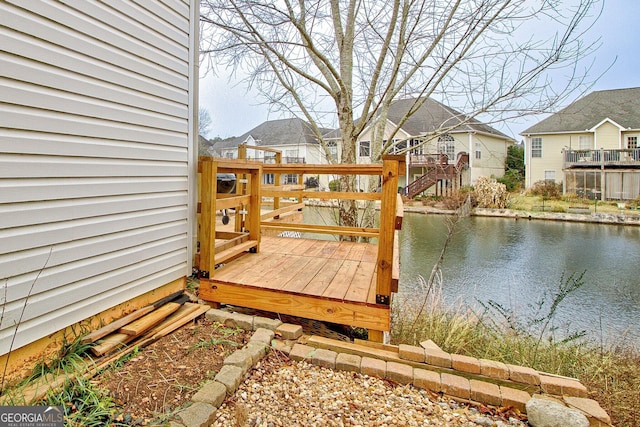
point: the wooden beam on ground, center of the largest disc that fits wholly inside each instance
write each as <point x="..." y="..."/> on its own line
<point x="141" y="325"/>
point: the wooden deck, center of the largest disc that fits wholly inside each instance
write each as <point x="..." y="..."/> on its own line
<point x="316" y="279"/>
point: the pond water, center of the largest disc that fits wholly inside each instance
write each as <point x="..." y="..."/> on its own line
<point x="514" y="263"/>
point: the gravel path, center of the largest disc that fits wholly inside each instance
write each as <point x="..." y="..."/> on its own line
<point x="281" y="392"/>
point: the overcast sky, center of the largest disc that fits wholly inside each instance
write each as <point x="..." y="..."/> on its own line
<point x="233" y="111"/>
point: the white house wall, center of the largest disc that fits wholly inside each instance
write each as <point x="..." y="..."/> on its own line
<point x="96" y="157"/>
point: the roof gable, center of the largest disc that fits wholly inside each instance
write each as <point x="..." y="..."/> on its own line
<point x="619" y="106"/>
<point x="432" y="116"/>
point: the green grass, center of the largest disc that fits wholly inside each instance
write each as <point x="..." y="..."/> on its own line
<point x="611" y="371"/>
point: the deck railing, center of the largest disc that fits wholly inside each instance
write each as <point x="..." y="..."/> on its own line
<point x="629" y="157"/>
<point x="248" y="201"/>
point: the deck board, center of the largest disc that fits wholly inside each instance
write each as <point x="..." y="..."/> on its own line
<point x="319" y="279"/>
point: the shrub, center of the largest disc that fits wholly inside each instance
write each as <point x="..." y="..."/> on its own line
<point x="459" y="197"/>
<point x="334" y="185"/>
<point x="490" y="194"/>
<point x="546" y="189"/>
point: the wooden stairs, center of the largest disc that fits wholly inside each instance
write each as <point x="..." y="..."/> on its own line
<point x="435" y="173"/>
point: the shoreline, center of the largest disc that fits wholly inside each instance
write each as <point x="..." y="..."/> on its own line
<point x="594" y="218"/>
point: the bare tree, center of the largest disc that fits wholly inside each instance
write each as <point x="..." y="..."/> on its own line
<point x="204" y="122"/>
<point x="497" y="59"/>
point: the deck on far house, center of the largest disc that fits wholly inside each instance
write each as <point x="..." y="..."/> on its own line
<point x="342" y="282"/>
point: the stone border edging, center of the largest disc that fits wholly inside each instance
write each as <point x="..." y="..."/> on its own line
<point x="428" y="367"/>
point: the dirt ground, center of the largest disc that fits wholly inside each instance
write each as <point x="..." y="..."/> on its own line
<point x="162" y="377"/>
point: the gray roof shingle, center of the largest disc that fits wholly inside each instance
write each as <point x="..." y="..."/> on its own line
<point x="292" y="131"/>
<point x="620" y="105"/>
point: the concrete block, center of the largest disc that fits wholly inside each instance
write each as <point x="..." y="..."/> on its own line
<point x="266" y="323"/>
<point x="257" y="350"/>
<point x="493" y="369"/>
<point x="430" y="345"/>
<point x="465" y="363"/>
<point x="561" y="386"/>
<point x="239" y="320"/>
<point x="282" y="346"/>
<point x="592" y="409"/>
<point x="324" y="358"/>
<point x="412" y="353"/>
<point x="217" y="315"/>
<point x="514" y="397"/>
<point x="302" y="352"/>
<point x="212" y="393"/>
<point x="399" y="372"/>
<point x="229" y="376"/>
<point x="348" y="362"/>
<point x="485" y="392"/>
<point x="241" y="358"/>
<point x="437" y="357"/>
<point x="427" y="380"/>
<point x="373" y="367"/>
<point x="199" y="414"/>
<point x="455" y="385"/>
<point x="521" y="374"/>
<point x="262" y="335"/>
<point x="289" y="331"/>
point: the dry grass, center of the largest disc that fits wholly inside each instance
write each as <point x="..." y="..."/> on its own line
<point x="533" y="203"/>
<point x="611" y="374"/>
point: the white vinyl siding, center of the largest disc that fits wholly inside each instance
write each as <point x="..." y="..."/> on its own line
<point x="96" y="157"/>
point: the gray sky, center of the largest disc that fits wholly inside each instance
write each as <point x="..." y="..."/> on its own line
<point x="233" y="111"/>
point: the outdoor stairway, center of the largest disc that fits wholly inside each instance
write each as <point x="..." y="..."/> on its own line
<point x="435" y="173"/>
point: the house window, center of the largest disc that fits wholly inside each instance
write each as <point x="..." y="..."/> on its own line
<point x="632" y="141"/>
<point x="536" y="147"/>
<point x="229" y="154"/>
<point x="446" y="145"/>
<point x="550" y="176"/>
<point x="586" y="142"/>
<point x="292" y="156"/>
<point x="398" y="147"/>
<point x="267" y="178"/>
<point x="332" y="148"/>
<point x="416" y="147"/>
<point x="478" y="151"/>
<point x="365" y="149"/>
<point x="290" y="179"/>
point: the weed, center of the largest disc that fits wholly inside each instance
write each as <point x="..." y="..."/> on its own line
<point x="213" y="342"/>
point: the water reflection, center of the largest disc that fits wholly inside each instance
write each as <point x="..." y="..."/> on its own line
<point x="515" y="262"/>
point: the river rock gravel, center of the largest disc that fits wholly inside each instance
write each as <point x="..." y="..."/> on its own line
<point x="281" y="392"/>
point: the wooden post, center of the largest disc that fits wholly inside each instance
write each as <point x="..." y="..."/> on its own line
<point x="390" y="171"/>
<point x="277" y="181"/>
<point x="253" y="220"/>
<point x="208" y="218"/>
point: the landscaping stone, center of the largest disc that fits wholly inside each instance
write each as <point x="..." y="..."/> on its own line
<point x="493" y="369"/>
<point x="455" y="385"/>
<point x="217" y="315"/>
<point x="590" y="408"/>
<point x="465" y="363"/>
<point x="212" y="392"/>
<point x="324" y="358"/>
<point x="262" y="335"/>
<point x="437" y="357"/>
<point x="257" y="350"/>
<point x="238" y="320"/>
<point x="288" y="331"/>
<point x="266" y="323"/>
<point x="399" y="372"/>
<point x="348" y="362"/>
<point x="301" y="352"/>
<point x="282" y="346"/>
<point x="485" y="392"/>
<point x="522" y="374"/>
<point x="430" y="345"/>
<point x="240" y="358"/>
<point x="199" y="414"/>
<point x="548" y="413"/>
<point x="427" y="380"/>
<point x="412" y="353"/>
<point x="373" y="367"/>
<point x="514" y="397"/>
<point x="561" y="386"/>
<point x="230" y="376"/>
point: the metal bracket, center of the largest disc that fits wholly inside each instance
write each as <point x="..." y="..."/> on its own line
<point x="383" y="299"/>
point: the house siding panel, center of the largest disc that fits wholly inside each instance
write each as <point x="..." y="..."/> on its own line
<point x="96" y="158"/>
<point x="608" y="136"/>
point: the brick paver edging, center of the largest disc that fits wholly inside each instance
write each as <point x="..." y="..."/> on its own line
<point x="427" y="367"/>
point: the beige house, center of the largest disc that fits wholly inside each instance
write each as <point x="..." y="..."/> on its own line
<point x="471" y="149"/>
<point x="591" y="146"/>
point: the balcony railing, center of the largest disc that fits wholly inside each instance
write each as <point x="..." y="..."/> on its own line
<point x="629" y="157"/>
